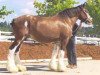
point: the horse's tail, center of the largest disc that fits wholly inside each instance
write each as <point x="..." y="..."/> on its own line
<point x="12" y="25"/>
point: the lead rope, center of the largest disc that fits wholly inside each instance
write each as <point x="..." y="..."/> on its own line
<point x="78" y="27"/>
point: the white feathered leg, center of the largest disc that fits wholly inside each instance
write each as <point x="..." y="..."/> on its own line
<point x="11" y="67"/>
<point x="53" y="63"/>
<point x="18" y="63"/>
<point x="61" y="64"/>
<point x="12" y="58"/>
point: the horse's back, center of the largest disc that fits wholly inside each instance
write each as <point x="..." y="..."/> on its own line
<point x="40" y="28"/>
<point x="51" y="27"/>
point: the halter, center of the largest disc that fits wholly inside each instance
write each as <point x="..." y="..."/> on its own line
<point x="84" y="20"/>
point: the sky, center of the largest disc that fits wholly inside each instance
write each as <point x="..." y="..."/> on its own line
<point x="22" y="7"/>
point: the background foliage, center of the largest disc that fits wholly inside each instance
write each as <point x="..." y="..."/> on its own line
<point x="51" y="7"/>
<point x="94" y="10"/>
<point x="4" y="12"/>
<point x="4" y="26"/>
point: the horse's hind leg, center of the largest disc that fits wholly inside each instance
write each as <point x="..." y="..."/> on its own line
<point x="17" y="60"/>
<point x="53" y="63"/>
<point x="11" y="66"/>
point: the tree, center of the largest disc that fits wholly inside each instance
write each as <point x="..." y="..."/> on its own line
<point x="4" y="12"/>
<point x="94" y="10"/>
<point x="51" y="7"/>
<point x="4" y="26"/>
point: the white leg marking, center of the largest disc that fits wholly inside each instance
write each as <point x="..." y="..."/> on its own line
<point x="17" y="60"/>
<point x="26" y="23"/>
<point x="61" y="64"/>
<point x="11" y="67"/>
<point x="53" y="63"/>
<point x="18" y="63"/>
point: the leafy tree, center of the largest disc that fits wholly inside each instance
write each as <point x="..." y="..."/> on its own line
<point x="4" y="12"/>
<point x="4" y="26"/>
<point x="94" y="9"/>
<point x="51" y="7"/>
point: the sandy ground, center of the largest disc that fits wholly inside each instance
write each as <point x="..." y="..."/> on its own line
<point x="85" y="67"/>
<point x="44" y="51"/>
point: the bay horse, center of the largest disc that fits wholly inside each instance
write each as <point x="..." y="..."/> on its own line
<point x="57" y="29"/>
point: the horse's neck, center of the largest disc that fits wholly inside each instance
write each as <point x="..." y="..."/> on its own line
<point x="71" y="21"/>
<point x="74" y="15"/>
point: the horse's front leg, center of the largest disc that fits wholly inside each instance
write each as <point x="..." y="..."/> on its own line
<point x="61" y="64"/>
<point x="53" y="63"/>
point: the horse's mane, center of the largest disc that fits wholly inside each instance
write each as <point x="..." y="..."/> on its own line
<point x="70" y="12"/>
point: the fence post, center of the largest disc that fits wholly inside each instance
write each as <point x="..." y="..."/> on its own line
<point x="0" y="33"/>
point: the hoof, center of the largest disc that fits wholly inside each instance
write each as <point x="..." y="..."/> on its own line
<point x="53" y="66"/>
<point x="21" y="68"/>
<point x="61" y="68"/>
<point x="12" y="69"/>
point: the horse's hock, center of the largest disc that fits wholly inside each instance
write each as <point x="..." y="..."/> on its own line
<point x="43" y="51"/>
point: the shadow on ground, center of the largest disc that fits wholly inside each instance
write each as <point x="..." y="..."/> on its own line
<point x="29" y="68"/>
<point x="37" y="68"/>
<point x="3" y="70"/>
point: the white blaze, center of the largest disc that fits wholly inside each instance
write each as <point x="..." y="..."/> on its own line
<point x="88" y="16"/>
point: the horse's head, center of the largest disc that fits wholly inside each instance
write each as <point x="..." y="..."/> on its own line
<point x="84" y="15"/>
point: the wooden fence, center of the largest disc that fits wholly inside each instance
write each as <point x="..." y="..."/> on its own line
<point x="8" y="37"/>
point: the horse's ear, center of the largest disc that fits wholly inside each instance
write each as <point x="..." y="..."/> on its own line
<point x="84" y="4"/>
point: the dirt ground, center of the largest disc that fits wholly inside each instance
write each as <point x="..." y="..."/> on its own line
<point x="85" y="67"/>
<point x="43" y="51"/>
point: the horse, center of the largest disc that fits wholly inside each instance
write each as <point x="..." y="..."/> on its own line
<point x="57" y="29"/>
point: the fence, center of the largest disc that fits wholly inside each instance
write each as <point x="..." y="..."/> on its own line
<point x="8" y="37"/>
<point x="88" y="40"/>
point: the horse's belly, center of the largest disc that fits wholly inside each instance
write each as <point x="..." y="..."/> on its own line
<point x="42" y="38"/>
<point x="45" y="31"/>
